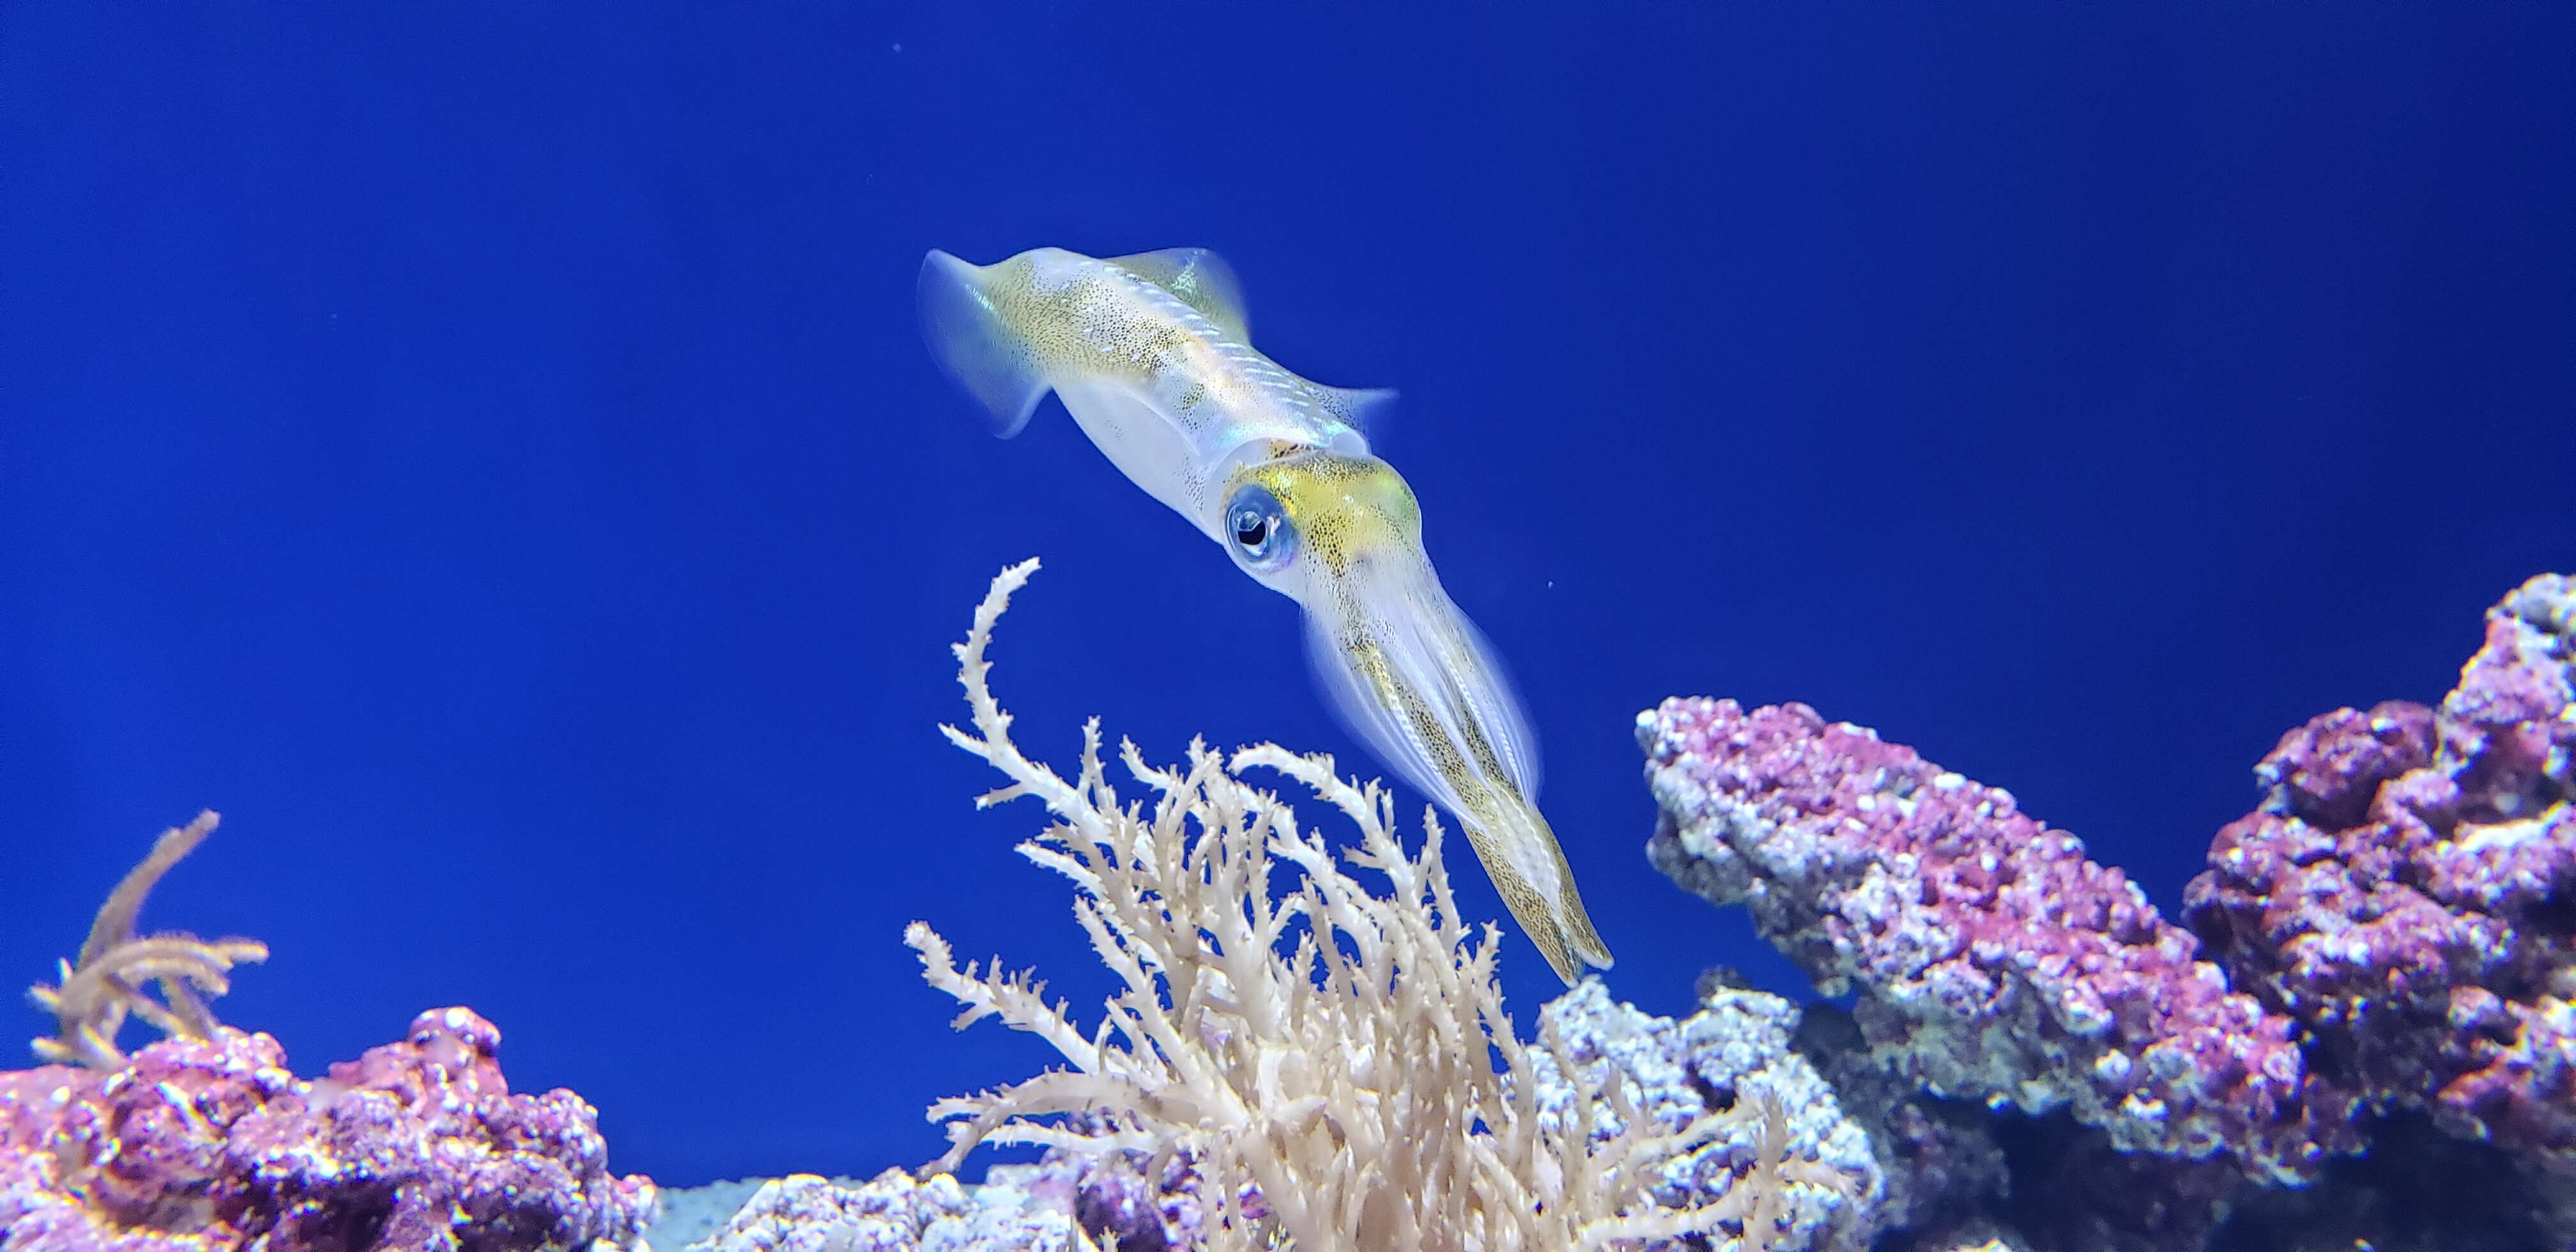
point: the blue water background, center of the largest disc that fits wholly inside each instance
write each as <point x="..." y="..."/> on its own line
<point x="485" y="451"/>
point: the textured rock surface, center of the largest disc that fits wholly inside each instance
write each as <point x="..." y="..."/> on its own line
<point x="692" y="1214"/>
<point x="1940" y="1158"/>
<point x="2407" y="891"/>
<point x="1737" y="1045"/>
<point x="2394" y="929"/>
<point x="1018" y="1209"/>
<point x="1993" y="960"/>
<point x="215" y="1144"/>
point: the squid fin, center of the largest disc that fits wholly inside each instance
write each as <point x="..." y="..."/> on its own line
<point x="976" y="344"/>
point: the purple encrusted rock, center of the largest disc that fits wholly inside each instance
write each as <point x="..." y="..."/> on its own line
<point x="2327" y="771"/>
<point x="214" y="1144"/>
<point x="1112" y="1196"/>
<point x="2418" y="924"/>
<point x="1994" y="960"/>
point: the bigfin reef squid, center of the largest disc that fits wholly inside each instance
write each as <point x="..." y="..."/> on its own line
<point x="1151" y="355"/>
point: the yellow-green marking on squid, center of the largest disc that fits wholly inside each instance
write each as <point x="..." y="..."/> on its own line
<point x="1151" y="356"/>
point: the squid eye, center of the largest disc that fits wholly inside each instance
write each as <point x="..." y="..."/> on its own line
<point x="1262" y="534"/>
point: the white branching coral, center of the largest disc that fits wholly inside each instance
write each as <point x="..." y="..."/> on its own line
<point x="1335" y="1061"/>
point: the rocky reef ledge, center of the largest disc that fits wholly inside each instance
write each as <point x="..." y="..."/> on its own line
<point x="2358" y="1032"/>
<point x="207" y="1144"/>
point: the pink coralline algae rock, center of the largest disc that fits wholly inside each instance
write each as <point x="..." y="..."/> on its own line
<point x="203" y="1144"/>
<point x="1994" y="960"/>
<point x="2407" y="891"/>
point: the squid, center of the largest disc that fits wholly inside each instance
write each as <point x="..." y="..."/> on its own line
<point x="1152" y="357"/>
